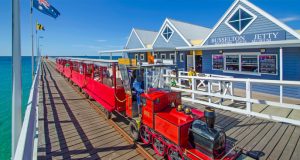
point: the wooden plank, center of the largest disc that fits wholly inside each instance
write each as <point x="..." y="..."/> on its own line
<point x="291" y="145"/>
<point x="273" y="142"/>
<point x="296" y="152"/>
<point x="277" y="151"/>
<point x="253" y="142"/>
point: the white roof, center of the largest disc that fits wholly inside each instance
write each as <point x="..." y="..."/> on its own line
<point x="147" y="37"/>
<point x="191" y="31"/>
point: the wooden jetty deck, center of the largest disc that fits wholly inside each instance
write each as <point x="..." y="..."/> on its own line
<point x="69" y="128"/>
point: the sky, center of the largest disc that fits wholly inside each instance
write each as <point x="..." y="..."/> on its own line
<point x="87" y="26"/>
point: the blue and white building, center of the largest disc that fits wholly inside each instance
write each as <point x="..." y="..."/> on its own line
<point x="247" y="42"/>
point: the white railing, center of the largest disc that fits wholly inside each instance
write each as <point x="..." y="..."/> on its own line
<point x="224" y="91"/>
<point x="27" y="144"/>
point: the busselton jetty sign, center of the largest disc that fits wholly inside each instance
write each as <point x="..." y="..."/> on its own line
<point x="249" y="38"/>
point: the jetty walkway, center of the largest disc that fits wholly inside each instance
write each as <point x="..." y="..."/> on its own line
<point x="71" y="127"/>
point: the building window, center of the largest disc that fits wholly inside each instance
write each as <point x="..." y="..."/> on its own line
<point x="167" y="33"/>
<point x="137" y="57"/>
<point x="142" y="57"/>
<point x="232" y="63"/>
<point x="240" y="19"/>
<point x="268" y="64"/>
<point x="155" y="55"/>
<point x="181" y="57"/>
<point x="172" y="56"/>
<point x="218" y="62"/>
<point x="249" y="63"/>
<point x="163" y="56"/>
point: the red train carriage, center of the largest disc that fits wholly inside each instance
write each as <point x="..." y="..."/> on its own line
<point x="155" y="112"/>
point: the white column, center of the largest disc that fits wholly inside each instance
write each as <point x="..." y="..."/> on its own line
<point x="16" y="76"/>
<point x="281" y="73"/>
<point x="194" y="59"/>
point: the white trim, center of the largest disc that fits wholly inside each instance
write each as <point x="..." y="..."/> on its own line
<point x="271" y="18"/>
<point x="133" y="31"/>
<point x="162" y="33"/>
<point x="181" y="57"/>
<point x="170" y="23"/>
<point x="164" y="55"/>
<point x="246" y="10"/>
<point x="220" y="21"/>
<point x="240" y="54"/>
<point x="142" y="57"/>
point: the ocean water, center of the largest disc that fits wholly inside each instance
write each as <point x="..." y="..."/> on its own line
<point x="5" y="98"/>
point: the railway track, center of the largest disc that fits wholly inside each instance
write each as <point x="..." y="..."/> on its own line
<point x="120" y="123"/>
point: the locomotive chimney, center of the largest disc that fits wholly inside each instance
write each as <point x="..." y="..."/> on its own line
<point x="210" y="117"/>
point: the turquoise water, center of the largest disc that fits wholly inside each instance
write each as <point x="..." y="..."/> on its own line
<point x="5" y="99"/>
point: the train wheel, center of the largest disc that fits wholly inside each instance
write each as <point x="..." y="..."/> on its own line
<point x="145" y="135"/>
<point x="107" y="114"/>
<point x="134" y="132"/>
<point x="174" y="153"/>
<point x="159" y="146"/>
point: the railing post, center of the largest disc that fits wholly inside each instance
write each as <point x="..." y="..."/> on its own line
<point x="193" y="88"/>
<point x="209" y="91"/>
<point x="231" y="90"/>
<point x="248" y="96"/>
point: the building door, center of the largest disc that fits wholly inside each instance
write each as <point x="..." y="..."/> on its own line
<point x="198" y="64"/>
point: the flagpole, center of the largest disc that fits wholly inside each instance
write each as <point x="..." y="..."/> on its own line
<point x="32" y="41"/>
<point x="16" y="76"/>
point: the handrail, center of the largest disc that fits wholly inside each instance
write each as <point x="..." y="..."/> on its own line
<point x="203" y="86"/>
<point x="27" y="148"/>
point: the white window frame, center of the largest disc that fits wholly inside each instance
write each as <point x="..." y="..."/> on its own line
<point x="240" y="63"/>
<point x="167" y="40"/>
<point x="136" y="56"/>
<point x="212" y="62"/>
<point x="275" y="64"/>
<point x="181" y="57"/>
<point x="162" y="55"/>
<point x="246" y="10"/>
<point x="142" y="57"/>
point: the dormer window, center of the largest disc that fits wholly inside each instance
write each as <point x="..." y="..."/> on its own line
<point x="240" y="20"/>
<point x="167" y="33"/>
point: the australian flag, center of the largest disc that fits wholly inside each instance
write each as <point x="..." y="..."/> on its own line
<point x="44" y="7"/>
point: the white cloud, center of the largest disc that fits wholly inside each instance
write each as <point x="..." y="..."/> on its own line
<point x="290" y="19"/>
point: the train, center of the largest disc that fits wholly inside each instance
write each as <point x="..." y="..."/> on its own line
<point x="156" y="113"/>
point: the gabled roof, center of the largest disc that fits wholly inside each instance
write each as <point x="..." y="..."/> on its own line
<point x="257" y="9"/>
<point x="145" y="37"/>
<point x="187" y="31"/>
<point x="191" y="31"/>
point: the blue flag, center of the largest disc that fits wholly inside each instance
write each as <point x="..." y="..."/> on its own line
<point x="44" y="7"/>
